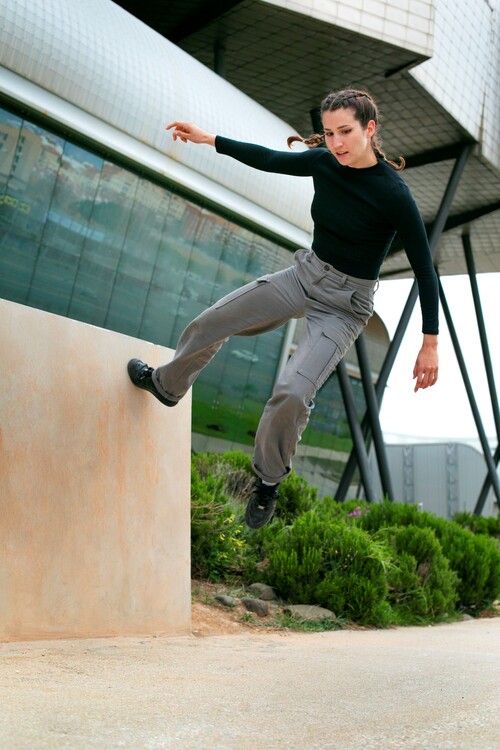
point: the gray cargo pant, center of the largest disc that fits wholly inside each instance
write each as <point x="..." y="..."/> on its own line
<point x="336" y="307"/>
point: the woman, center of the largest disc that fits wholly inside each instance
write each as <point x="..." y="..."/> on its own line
<point x="360" y="201"/>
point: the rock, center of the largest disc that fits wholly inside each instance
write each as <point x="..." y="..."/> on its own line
<point x="263" y="591"/>
<point x="227" y="601"/>
<point x="309" y="613"/>
<point x="257" y="606"/>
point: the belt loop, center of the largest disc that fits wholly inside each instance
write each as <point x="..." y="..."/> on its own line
<point x="377" y="284"/>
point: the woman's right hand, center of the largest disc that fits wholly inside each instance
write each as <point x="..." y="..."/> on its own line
<point x="188" y="131"/>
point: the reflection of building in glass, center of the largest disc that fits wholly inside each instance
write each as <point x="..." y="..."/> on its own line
<point x="18" y="155"/>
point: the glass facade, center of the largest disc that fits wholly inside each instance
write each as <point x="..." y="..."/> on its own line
<point x="84" y="237"/>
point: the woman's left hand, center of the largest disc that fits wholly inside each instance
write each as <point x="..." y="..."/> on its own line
<point x="427" y="364"/>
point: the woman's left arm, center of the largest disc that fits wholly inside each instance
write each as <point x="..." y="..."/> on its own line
<point x="411" y="230"/>
<point x="427" y="365"/>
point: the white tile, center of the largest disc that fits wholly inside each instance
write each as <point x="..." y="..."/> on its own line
<point x="395" y="15"/>
<point x="374" y="23"/>
<point x="420" y="24"/>
<point x="375" y="7"/>
<point x="424" y="9"/>
<point x="417" y="38"/>
<point x="347" y="13"/>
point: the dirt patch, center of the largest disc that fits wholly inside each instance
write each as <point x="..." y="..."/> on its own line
<point x="209" y="617"/>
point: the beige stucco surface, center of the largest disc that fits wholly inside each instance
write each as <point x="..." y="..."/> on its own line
<point x="94" y="492"/>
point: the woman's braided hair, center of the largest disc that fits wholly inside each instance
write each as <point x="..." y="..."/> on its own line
<point x="364" y="109"/>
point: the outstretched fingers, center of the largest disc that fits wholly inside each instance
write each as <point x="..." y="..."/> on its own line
<point x="188" y="131"/>
<point x="181" y="130"/>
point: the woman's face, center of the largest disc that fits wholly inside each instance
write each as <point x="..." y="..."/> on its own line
<point x="347" y="140"/>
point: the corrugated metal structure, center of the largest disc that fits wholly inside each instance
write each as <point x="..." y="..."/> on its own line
<point x="442" y="478"/>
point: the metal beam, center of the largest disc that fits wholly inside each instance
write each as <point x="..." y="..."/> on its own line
<point x="454" y="221"/>
<point x="470" y="393"/>
<point x="471" y="269"/>
<point x="458" y="220"/>
<point x="434" y="155"/>
<point x="373" y="417"/>
<point x="437" y="229"/>
<point x="486" y="485"/>
<point x="356" y="433"/>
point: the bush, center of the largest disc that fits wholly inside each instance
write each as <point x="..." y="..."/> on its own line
<point x="296" y="497"/>
<point x="488" y="525"/>
<point x="217" y="542"/>
<point x="233" y="467"/>
<point x="421" y="584"/>
<point x="339" y="555"/>
<point x="474" y="558"/>
<point x="315" y="561"/>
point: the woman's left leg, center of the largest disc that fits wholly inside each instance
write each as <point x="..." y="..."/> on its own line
<point x="330" y="333"/>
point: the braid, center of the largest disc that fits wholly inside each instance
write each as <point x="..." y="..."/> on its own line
<point x="398" y="166"/>
<point x="314" y="140"/>
<point x="365" y="110"/>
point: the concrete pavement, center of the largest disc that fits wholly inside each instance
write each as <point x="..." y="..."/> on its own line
<point x="409" y="688"/>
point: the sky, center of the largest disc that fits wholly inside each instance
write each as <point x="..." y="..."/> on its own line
<point x="442" y="412"/>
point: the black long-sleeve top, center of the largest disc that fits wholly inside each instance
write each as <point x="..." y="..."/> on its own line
<point x="356" y="214"/>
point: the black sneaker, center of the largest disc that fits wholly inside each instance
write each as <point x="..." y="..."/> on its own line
<point x="140" y="375"/>
<point x="262" y="504"/>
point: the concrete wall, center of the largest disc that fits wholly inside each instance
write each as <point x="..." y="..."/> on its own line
<point x="94" y="485"/>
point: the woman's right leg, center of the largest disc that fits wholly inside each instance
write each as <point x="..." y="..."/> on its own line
<point x="258" y="307"/>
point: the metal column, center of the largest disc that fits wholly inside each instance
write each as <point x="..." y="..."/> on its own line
<point x="357" y="435"/>
<point x="435" y="234"/>
<point x="471" y="269"/>
<point x="470" y="393"/>
<point x="373" y="417"/>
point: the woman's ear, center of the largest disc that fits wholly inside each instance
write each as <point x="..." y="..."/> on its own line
<point x="371" y="128"/>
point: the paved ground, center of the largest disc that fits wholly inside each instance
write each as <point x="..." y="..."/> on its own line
<point x="411" y="689"/>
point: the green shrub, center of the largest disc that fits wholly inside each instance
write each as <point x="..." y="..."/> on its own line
<point x="488" y="525"/>
<point x="474" y="558"/>
<point x="337" y="566"/>
<point x="377" y="516"/>
<point x="421" y="584"/>
<point x="296" y="497"/>
<point x="233" y="467"/>
<point x="217" y="541"/>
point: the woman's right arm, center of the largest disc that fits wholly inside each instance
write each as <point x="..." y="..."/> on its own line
<point x="188" y="131"/>
<point x="258" y="157"/>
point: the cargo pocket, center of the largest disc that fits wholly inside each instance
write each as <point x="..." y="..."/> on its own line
<point x="241" y="291"/>
<point x="322" y="359"/>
